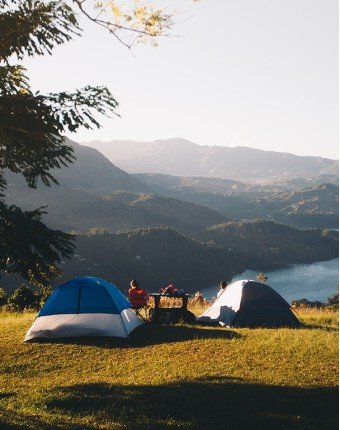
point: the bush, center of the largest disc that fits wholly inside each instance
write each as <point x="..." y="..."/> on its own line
<point x="3" y="297"/>
<point x="24" y="298"/>
<point x="304" y="303"/>
<point x="333" y="301"/>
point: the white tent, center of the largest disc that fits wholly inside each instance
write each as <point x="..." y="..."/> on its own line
<point x="248" y="303"/>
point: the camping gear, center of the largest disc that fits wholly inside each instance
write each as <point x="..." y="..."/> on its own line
<point x="171" y="314"/>
<point x="85" y="306"/>
<point x="169" y="289"/>
<point x="248" y="303"/>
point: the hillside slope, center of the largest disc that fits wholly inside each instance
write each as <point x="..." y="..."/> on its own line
<point x="270" y="245"/>
<point x="316" y="206"/>
<point x="91" y="171"/>
<point x="79" y="210"/>
<point x="160" y="255"/>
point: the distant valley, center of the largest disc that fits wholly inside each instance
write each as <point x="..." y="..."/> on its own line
<point x="159" y="227"/>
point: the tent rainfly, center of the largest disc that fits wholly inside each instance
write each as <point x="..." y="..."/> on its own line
<point x="84" y="306"/>
<point x="248" y="303"/>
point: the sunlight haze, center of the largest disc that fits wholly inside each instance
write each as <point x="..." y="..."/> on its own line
<point x="262" y="74"/>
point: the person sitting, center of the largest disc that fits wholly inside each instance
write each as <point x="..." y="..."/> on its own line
<point x="138" y="297"/>
<point x="223" y="286"/>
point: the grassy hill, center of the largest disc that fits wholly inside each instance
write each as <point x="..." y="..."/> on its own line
<point x="173" y="377"/>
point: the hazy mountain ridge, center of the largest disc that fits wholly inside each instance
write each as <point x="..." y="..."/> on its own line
<point x="91" y="172"/>
<point x="94" y="192"/>
<point x="315" y="206"/>
<point x="307" y="207"/>
<point x="180" y="157"/>
<point x="121" y="210"/>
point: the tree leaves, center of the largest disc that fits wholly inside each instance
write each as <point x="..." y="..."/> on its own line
<point x="29" y="247"/>
<point x="34" y="27"/>
<point x="32" y="128"/>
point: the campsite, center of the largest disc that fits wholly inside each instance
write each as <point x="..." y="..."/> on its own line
<point x="169" y="215"/>
<point x="173" y="376"/>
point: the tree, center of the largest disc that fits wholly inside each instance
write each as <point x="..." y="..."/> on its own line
<point x="33" y="125"/>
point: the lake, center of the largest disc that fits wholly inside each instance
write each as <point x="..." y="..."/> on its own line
<point x="315" y="281"/>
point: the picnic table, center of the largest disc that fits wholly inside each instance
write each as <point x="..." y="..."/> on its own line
<point x="158" y="310"/>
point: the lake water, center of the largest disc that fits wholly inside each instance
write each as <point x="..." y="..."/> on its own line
<point x="316" y="281"/>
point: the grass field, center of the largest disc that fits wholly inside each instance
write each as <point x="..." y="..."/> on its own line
<point x="173" y="377"/>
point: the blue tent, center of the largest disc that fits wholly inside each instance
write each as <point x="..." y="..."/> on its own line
<point x="85" y="306"/>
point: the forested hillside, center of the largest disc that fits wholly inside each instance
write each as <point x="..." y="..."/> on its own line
<point x="79" y="210"/>
<point x="316" y="206"/>
<point x="161" y="255"/>
<point x="268" y="245"/>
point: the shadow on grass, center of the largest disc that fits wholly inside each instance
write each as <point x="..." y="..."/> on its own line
<point x="211" y="403"/>
<point x="151" y="334"/>
<point x="319" y="327"/>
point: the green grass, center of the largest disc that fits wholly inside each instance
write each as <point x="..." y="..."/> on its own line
<point x="173" y="377"/>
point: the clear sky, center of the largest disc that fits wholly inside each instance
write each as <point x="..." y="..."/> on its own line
<point x="258" y="73"/>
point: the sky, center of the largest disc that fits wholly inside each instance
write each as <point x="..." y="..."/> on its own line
<point x="257" y="73"/>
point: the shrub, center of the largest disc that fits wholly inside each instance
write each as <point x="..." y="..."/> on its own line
<point x="3" y="297"/>
<point x="304" y="303"/>
<point x="333" y="301"/>
<point x="24" y="298"/>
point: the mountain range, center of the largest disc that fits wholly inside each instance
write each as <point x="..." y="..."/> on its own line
<point x="180" y="157"/>
<point x="314" y="206"/>
<point x="93" y="192"/>
<point x="160" y="227"/>
<point x="91" y="172"/>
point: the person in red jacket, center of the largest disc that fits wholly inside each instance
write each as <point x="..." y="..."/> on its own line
<point x="138" y="297"/>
